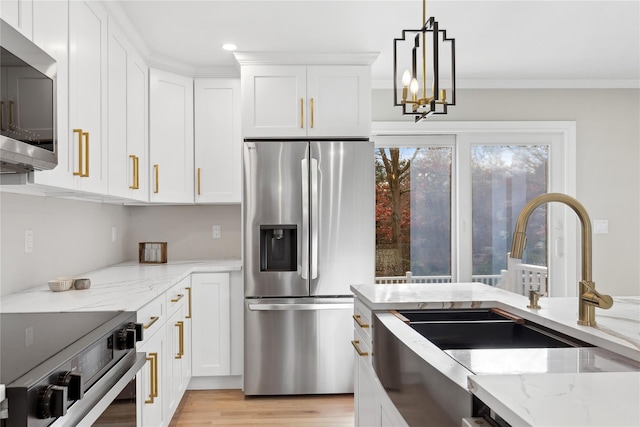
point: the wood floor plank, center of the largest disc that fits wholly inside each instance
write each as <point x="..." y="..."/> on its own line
<point x="232" y="408"/>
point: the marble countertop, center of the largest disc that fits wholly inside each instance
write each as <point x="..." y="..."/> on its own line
<point x="123" y="287"/>
<point x="532" y="399"/>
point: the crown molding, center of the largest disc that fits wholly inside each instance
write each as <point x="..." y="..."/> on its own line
<point x="292" y="58"/>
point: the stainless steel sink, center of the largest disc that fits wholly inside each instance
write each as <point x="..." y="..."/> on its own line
<point x="427" y="382"/>
<point x="476" y="334"/>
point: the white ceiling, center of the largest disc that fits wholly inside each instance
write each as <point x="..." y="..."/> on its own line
<point x="508" y="43"/>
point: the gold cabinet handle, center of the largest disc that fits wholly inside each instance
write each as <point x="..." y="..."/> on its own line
<point x="301" y="113"/>
<point x="137" y="173"/>
<point x="312" y="102"/>
<point x="156" y="169"/>
<point x="199" y="175"/>
<point x="188" y="316"/>
<point x="86" y="154"/>
<point x="79" y="132"/>
<point x="180" y="326"/>
<point x="153" y="371"/>
<point x="134" y="164"/>
<point x="356" y="345"/>
<point x="177" y="298"/>
<point x="152" y="320"/>
<point x="356" y="317"/>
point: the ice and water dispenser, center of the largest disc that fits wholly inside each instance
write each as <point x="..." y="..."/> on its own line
<point x="278" y="247"/>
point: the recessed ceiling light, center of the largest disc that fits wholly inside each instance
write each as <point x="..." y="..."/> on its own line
<point x="229" y="46"/>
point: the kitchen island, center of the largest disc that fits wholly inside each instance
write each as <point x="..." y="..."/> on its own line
<point x="529" y="399"/>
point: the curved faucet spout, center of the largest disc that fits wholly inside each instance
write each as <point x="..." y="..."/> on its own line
<point x="586" y="307"/>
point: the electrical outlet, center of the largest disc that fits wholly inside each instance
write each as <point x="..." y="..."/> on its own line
<point x="216" y="232"/>
<point x="113" y="234"/>
<point x="28" y="241"/>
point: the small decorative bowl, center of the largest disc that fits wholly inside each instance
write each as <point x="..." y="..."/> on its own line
<point x="82" y="283"/>
<point x="61" y="284"/>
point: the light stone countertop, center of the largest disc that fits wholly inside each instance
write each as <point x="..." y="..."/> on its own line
<point x="123" y="287"/>
<point x="559" y="399"/>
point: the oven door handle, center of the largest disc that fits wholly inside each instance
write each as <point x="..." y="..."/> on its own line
<point x="97" y="399"/>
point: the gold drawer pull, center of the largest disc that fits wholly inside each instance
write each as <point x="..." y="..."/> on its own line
<point x="153" y="319"/>
<point x="312" y="113"/>
<point x="156" y="169"/>
<point x="356" y="345"/>
<point x="356" y="317"/>
<point x="177" y="298"/>
<point x="199" y="177"/>
<point x="86" y="155"/>
<point x="301" y="113"/>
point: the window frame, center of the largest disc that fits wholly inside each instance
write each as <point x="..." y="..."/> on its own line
<point x="562" y="222"/>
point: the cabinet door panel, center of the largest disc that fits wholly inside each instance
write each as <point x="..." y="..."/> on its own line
<point x="51" y="33"/>
<point x="151" y="379"/>
<point x="171" y="137"/>
<point x="87" y="91"/>
<point x="211" y="337"/>
<point x="274" y="101"/>
<point x="341" y="101"/>
<point x="217" y="140"/>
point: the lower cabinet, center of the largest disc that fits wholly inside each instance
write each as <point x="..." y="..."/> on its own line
<point x="150" y="382"/>
<point x="211" y="324"/>
<point x="372" y="405"/>
<point x="167" y="343"/>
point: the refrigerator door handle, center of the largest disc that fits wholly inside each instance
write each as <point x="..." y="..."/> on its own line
<point x="302" y="306"/>
<point x="314" y="218"/>
<point x="305" y="219"/>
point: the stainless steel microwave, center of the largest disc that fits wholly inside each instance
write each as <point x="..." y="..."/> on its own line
<point x="28" y="128"/>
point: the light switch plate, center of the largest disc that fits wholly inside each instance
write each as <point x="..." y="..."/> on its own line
<point x="28" y="241"/>
<point x="216" y="232"/>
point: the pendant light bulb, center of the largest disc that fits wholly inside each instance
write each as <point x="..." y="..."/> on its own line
<point x="414" y="87"/>
<point x="406" y="78"/>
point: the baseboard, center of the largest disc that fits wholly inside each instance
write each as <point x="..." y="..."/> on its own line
<point x="215" y="383"/>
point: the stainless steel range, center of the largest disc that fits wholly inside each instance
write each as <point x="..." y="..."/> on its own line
<point x="66" y="369"/>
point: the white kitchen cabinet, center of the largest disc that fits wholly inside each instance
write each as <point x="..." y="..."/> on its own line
<point x="218" y="144"/>
<point x="18" y="14"/>
<point x="170" y="137"/>
<point x="127" y="110"/>
<point x="150" y="382"/>
<point x="51" y="33"/>
<point x="211" y="324"/>
<point x="306" y="101"/>
<point x="88" y="95"/>
<point x="178" y="337"/>
<point x="372" y="405"/>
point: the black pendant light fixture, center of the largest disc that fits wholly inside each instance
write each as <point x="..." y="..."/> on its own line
<point x="426" y="58"/>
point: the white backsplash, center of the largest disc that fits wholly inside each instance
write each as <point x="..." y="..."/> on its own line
<point x="71" y="237"/>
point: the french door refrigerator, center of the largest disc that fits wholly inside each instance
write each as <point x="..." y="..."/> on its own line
<point x="309" y="233"/>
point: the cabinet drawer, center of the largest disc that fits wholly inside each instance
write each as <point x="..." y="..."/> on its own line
<point x="362" y="320"/>
<point x="178" y="296"/>
<point x="152" y="316"/>
<point x="362" y="348"/>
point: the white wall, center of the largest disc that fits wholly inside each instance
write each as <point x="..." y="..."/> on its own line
<point x="608" y="160"/>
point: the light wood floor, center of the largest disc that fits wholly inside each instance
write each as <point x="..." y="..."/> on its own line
<point x="232" y="408"/>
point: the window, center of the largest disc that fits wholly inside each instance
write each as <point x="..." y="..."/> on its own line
<point x="447" y="200"/>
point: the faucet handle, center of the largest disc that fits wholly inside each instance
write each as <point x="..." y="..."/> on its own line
<point x="594" y="297"/>
<point x="533" y="300"/>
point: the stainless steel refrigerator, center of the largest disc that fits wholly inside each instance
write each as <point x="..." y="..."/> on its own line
<point x="309" y="233"/>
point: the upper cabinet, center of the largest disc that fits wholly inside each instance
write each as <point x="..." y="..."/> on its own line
<point x="170" y="137"/>
<point x="88" y="94"/>
<point x="298" y="101"/>
<point x="127" y="110"/>
<point x="217" y="141"/>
